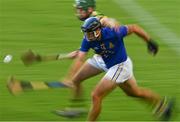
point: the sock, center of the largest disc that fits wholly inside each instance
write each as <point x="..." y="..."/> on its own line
<point x="160" y="107"/>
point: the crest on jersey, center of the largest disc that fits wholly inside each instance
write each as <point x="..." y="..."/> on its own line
<point x="111" y="45"/>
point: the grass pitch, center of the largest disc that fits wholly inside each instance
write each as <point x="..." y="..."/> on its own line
<point x="48" y="27"/>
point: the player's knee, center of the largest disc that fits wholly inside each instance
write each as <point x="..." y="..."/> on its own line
<point x="77" y="79"/>
<point x="95" y="97"/>
<point x="76" y="83"/>
<point x="130" y="94"/>
<point x="138" y="93"/>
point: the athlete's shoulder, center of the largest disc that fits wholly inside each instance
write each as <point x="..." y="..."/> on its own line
<point x="123" y="28"/>
<point x="122" y="31"/>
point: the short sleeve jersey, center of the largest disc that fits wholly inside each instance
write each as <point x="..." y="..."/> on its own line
<point x="111" y="46"/>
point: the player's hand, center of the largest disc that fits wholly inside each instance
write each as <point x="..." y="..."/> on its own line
<point x="30" y="57"/>
<point x="73" y="54"/>
<point x="152" y="47"/>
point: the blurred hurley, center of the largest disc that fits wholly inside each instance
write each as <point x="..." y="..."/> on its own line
<point x="30" y="57"/>
<point x="16" y="86"/>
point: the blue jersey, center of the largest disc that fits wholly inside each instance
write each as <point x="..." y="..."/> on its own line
<point x="110" y="47"/>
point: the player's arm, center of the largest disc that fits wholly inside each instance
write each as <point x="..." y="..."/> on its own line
<point x="71" y="55"/>
<point x="138" y="31"/>
<point x="59" y="56"/>
<point x="30" y="57"/>
<point x="151" y="44"/>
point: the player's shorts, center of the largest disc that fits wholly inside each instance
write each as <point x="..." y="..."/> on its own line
<point x="118" y="73"/>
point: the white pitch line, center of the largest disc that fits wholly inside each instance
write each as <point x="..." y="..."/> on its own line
<point x="153" y="24"/>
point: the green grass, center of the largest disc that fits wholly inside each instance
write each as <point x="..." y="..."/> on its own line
<point x="49" y="26"/>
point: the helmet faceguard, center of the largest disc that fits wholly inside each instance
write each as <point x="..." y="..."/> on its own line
<point x="92" y="28"/>
<point x="94" y="35"/>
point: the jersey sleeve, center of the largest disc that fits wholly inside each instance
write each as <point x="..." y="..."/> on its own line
<point x="123" y="31"/>
<point x="85" y="46"/>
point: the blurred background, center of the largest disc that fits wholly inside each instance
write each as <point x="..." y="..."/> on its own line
<point x="51" y="27"/>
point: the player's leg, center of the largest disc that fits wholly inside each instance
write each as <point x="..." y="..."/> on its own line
<point x="95" y="61"/>
<point x="76" y="107"/>
<point x="86" y="71"/>
<point x="104" y="87"/>
<point x="131" y="88"/>
<point x="162" y="106"/>
<point x="91" y="67"/>
<point x="124" y="77"/>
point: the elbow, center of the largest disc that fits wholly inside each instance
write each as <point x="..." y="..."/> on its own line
<point x="133" y="28"/>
